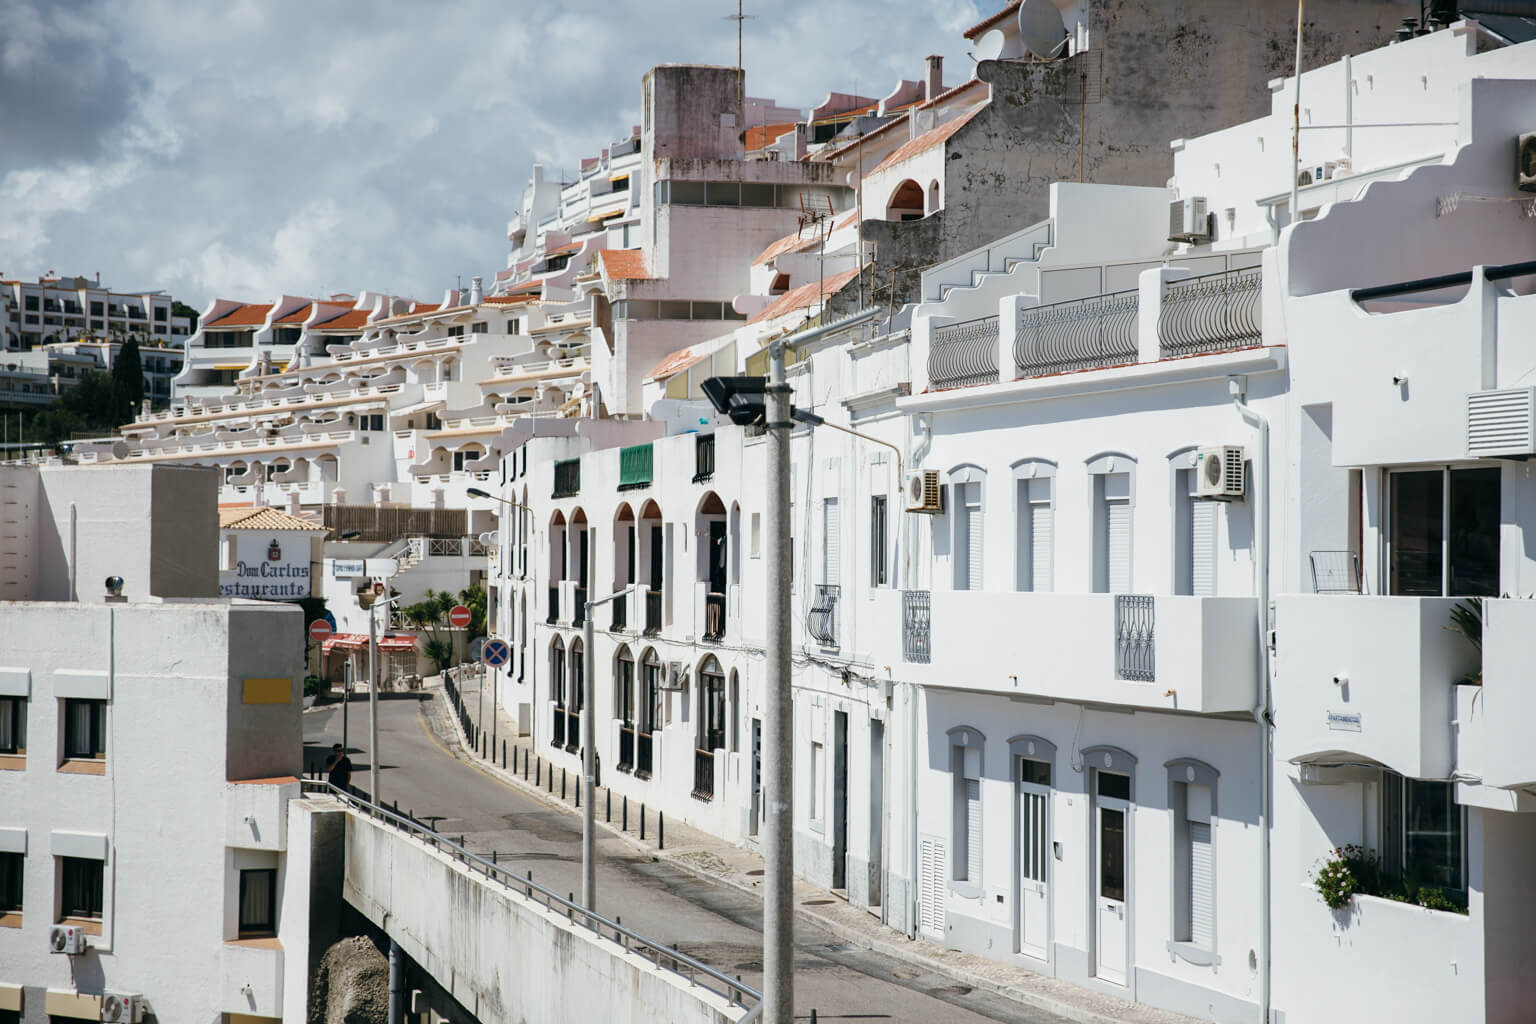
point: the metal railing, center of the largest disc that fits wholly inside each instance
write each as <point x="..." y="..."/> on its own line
<point x="626" y="747"/>
<point x="963" y="355"/>
<point x="663" y="957"/>
<point x="644" y="748"/>
<point x="703" y="458"/>
<point x="714" y="616"/>
<point x="916" y="614"/>
<point x="1211" y="313"/>
<point x="554" y="604"/>
<point x="567" y="478"/>
<point x="620" y="614"/>
<point x="1079" y="335"/>
<point x="1135" y="635"/>
<point x="703" y="774"/>
<point x="557" y="733"/>
<point x="579" y="611"/>
<point x="652" y="611"/>
<point x="822" y="621"/>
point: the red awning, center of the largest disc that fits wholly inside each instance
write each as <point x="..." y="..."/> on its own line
<point x="397" y="642"/>
<point x="346" y="641"/>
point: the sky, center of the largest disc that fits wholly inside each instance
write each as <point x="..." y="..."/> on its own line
<point x="251" y="148"/>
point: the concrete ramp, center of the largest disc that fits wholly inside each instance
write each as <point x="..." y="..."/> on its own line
<point x="510" y="951"/>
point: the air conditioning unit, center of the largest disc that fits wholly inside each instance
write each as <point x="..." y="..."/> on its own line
<point x="1219" y="473"/>
<point x="677" y="676"/>
<point x="1525" y="162"/>
<point x="1501" y="423"/>
<point x="923" y="492"/>
<point x="117" y="1008"/>
<point x="68" y="939"/>
<point x="1188" y="220"/>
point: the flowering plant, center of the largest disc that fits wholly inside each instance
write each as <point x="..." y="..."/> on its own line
<point x="1339" y="876"/>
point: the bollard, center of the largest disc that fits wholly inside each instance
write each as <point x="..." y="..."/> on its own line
<point x="537" y="771"/>
<point x="608" y="807"/>
<point x="624" y="814"/>
<point x="661" y="831"/>
<point x="493" y="856"/>
<point x="503" y="755"/>
<point x="813" y="1016"/>
<point x="562" y="782"/>
<point x="642" y="821"/>
<point x="525" y="766"/>
<point x="578" y="796"/>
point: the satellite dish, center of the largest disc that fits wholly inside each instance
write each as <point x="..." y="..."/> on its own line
<point x="1041" y="28"/>
<point x="120" y="449"/>
<point x="990" y="46"/>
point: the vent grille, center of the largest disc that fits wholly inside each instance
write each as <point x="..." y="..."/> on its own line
<point x="1501" y="422"/>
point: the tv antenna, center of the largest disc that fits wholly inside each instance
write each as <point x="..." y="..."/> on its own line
<point x="738" y="18"/>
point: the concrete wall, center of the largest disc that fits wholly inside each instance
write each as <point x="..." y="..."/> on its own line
<point x="502" y="956"/>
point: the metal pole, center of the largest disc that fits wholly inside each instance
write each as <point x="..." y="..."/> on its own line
<point x="588" y="769"/>
<point x="1296" y="123"/>
<point x="396" y="983"/>
<point x="373" y="704"/>
<point x="778" y="784"/>
<point x="481" y="720"/>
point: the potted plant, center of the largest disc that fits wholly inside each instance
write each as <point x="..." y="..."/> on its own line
<point x="312" y="686"/>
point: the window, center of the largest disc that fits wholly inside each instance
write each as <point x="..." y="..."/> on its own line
<point x="1422" y="833"/>
<point x="513" y="326"/>
<point x="479" y="327"/>
<point x="85" y="729"/>
<point x="1192" y="799"/>
<point x="13" y="725"/>
<point x="832" y="543"/>
<point x="967" y="814"/>
<point x="877" y="541"/>
<point x="80" y="888"/>
<point x="258" y="903"/>
<point x="30" y="302"/>
<point x="818" y="768"/>
<point x="757" y="534"/>
<point x="12" y="869"/>
<point x="96" y="309"/>
<point x="1195" y="538"/>
<point x="456" y="331"/>
<point x="1111" y="526"/>
<point x="1035" y="511"/>
<point x="969" y="547"/>
<point x="371" y="421"/>
<point x="1443" y="532"/>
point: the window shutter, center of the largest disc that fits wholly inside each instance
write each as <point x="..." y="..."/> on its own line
<point x="1041" y="541"/>
<point x="973" y="830"/>
<point x="973" y="537"/>
<point x="1117" y="535"/>
<point x="1202" y="548"/>
<point x="930" y="887"/>
<point x="832" y="549"/>
<point x="1202" y="885"/>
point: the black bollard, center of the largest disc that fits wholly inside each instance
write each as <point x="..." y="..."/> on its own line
<point x="608" y="807"/>
<point x="624" y="814"/>
<point x="661" y="831"/>
<point x="642" y="821"/>
<point x="537" y="771"/>
<point x="562" y="782"/>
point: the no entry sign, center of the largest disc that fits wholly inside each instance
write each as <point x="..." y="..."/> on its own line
<point x="458" y="617"/>
<point x="319" y="631"/>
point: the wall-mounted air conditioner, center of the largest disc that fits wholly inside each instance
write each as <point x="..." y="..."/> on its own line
<point x="1501" y="423"/>
<point x="1219" y="473"/>
<point x="1188" y="220"/>
<point x="68" y="939"/>
<point x="923" y="492"/>
<point x="1525" y="162"/>
<point x="117" y="1008"/>
<point x="676" y="677"/>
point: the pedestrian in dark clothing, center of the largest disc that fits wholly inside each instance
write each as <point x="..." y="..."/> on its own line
<point x="340" y="768"/>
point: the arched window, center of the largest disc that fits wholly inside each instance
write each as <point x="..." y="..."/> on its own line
<point x="624" y="705"/>
<point x="709" y="734"/>
<point x="557" y="689"/>
<point x="713" y="558"/>
<point x="906" y="202"/>
<point x="933" y="196"/>
<point x="578" y="693"/>
<point x="647" y="706"/>
<point x="967" y="487"/>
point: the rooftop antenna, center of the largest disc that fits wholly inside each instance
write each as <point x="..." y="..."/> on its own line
<point x="814" y="209"/>
<point x="738" y="18"/>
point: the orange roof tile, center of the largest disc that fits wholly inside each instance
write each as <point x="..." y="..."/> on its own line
<point x="298" y="316"/>
<point x="262" y="518"/>
<point x="675" y="362"/>
<point x="804" y="297"/>
<point x="426" y="307"/>
<point x="926" y="141"/>
<point x="624" y="264"/>
<point x="507" y="300"/>
<point x="350" y="320"/>
<point x="789" y="243"/>
<point x="247" y="315"/>
<point x="986" y="23"/>
<point x="761" y="135"/>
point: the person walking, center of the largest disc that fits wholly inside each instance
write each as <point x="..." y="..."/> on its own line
<point x="340" y="768"/>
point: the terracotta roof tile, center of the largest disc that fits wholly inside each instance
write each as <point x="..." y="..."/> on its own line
<point x="507" y="300"/>
<point x="298" y="316"/>
<point x="986" y="23"/>
<point x="352" y="319"/>
<point x="760" y="135"/>
<point x="795" y="242"/>
<point x="804" y="297"/>
<point x="675" y="362"/>
<point x="263" y="519"/>
<point x="926" y="141"/>
<point x="247" y="315"/>
<point x="624" y="264"/>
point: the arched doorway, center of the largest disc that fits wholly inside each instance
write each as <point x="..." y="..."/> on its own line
<point x="906" y="202"/>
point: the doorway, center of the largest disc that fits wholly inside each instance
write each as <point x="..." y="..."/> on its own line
<point x="1032" y="905"/>
<point x="876" y="812"/>
<point x="1111" y="934"/>
<point x="840" y="800"/>
<point x="755" y="817"/>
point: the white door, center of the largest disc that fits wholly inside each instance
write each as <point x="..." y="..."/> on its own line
<point x="1033" y="900"/>
<point x="930" y="887"/>
<point x="1110" y="930"/>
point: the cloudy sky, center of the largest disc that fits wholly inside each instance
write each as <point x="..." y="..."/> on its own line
<point x="251" y="147"/>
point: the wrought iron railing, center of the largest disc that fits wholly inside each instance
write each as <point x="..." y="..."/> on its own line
<point x="567" y="478"/>
<point x="664" y="957"/>
<point x="965" y="354"/>
<point x="579" y="612"/>
<point x="620" y="614"/>
<point x="652" y="611"/>
<point x="916" y="612"/>
<point x="554" y="604"/>
<point x="704" y="774"/>
<point x="626" y="747"/>
<point x="643" y="750"/>
<point x="822" y="622"/>
<point x="1077" y="335"/>
<point x="703" y="458"/>
<point x="1211" y="313"/>
<point x="1135" y="636"/>
<point x="714" y="616"/>
<point x="572" y="729"/>
<point x="558" y="726"/>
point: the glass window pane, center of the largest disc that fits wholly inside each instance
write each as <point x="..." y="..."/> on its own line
<point x="1417" y="528"/>
<point x="1036" y="772"/>
<point x="723" y="193"/>
<point x="1112" y="853"/>
<point x="256" y="900"/>
<point x="1431" y="834"/>
<point x="1113" y="785"/>
<point x="675" y="309"/>
<point x="687" y="193"/>
<point x="1474" y="533"/>
<point x="756" y="195"/>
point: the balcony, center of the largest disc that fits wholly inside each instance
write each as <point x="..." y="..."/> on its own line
<point x="964" y="354"/>
<point x="554" y="605"/>
<point x="1069" y="647"/>
<point x="636" y="464"/>
<point x="1210" y="313"/>
<point x="1083" y="334"/>
<point x="821" y="623"/>
<point x="578" y="605"/>
<point x="626" y="747"/>
<point x="644" y="754"/>
<point x="256" y="813"/>
<point x="1369" y="678"/>
<point x="557" y="726"/>
<point x="703" y="774"/>
<point x="916" y="611"/>
<point x="652" y="612"/>
<point x="703" y="458"/>
<point x="252" y="982"/>
<point x="620" y="614"/>
<point x="1508" y="694"/>
<point x="567" y="478"/>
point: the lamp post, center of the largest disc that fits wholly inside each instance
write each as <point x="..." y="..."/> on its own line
<point x="737" y="397"/>
<point x="476" y="492"/>
<point x="373" y="698"/>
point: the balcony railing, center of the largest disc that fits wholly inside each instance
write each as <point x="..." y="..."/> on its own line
<point x="965" y="354"/>
<point x="567" y="478"/>
<point x="1134" y="637"/>
<point x="579" y="607"/>
<point x="558" y="731"/>
<point x="572" y="729"/>
<point x="1079" y="335"/>
<point x="703" y="458"/>
<point x="626" y="747"/>
<point x="643" y="750"/>
<point x="714" y="616"/>
<point x="652" y="612"/>
<point x="704" y="774"/>
<point x="554" y="604"/>
<point x="1211" y="313"/>
<point x="635" y="466"/>
<point x="822" y="622"/>
<point x="620" y="614"/>
<point x="916" y="614"/>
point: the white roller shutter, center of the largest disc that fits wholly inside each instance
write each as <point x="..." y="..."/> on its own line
<point x="1202" y="548"/>
<point x="1202" y="885"/>
<point x="973" y="537"/>
<point x="930" y="887"/>
<point x="1117" y="541"/>
<point x="832" y="544"/>
<point x="1041" y="541"/>
<point x="973" y="830"/>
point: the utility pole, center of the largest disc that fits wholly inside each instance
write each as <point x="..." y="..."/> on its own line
<point x="778" y="785"/>
<point x="373" y="706"/>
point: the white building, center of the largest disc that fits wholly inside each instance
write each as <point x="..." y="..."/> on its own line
<point x="143" y="739"/>
<point x="56" y="309"/>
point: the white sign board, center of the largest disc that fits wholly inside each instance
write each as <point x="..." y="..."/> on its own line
<point x="268" y="565"/>
<point x="354" y="568"/>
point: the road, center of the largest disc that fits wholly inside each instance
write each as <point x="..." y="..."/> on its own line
<point x="715" y="924"/>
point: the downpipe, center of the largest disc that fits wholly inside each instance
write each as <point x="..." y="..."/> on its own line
<point x="919" y="453"/>
<point x="1262" y="710"/>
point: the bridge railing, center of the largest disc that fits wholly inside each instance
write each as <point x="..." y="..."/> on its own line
<point x="664" y="957"/>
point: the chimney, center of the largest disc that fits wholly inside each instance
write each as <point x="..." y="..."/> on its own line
<point x="476" y="292"/>
<point x="935" y="83"/>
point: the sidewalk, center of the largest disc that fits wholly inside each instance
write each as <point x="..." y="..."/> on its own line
<point x="713" y="859"/>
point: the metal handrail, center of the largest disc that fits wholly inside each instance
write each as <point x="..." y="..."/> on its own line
<point x="1211" y="313"/>
<point x="964" y="354"/>
<point x="664" y="957"/>
<point x="1080" y="334"/>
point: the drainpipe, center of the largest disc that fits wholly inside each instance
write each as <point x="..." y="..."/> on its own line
<point x="919" y="453"/>
<point x="74" y="562"/>
<point x="396" y="983"/>
<point x="1262" y="711"/>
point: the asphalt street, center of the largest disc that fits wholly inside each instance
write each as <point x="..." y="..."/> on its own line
<point x="715" y="924"/>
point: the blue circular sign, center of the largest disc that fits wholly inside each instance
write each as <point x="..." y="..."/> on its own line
<point x="495" y="652"/>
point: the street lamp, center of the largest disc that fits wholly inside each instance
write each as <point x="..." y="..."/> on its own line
<point x="476" y="492"/>
<point x="750" y="400"/>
